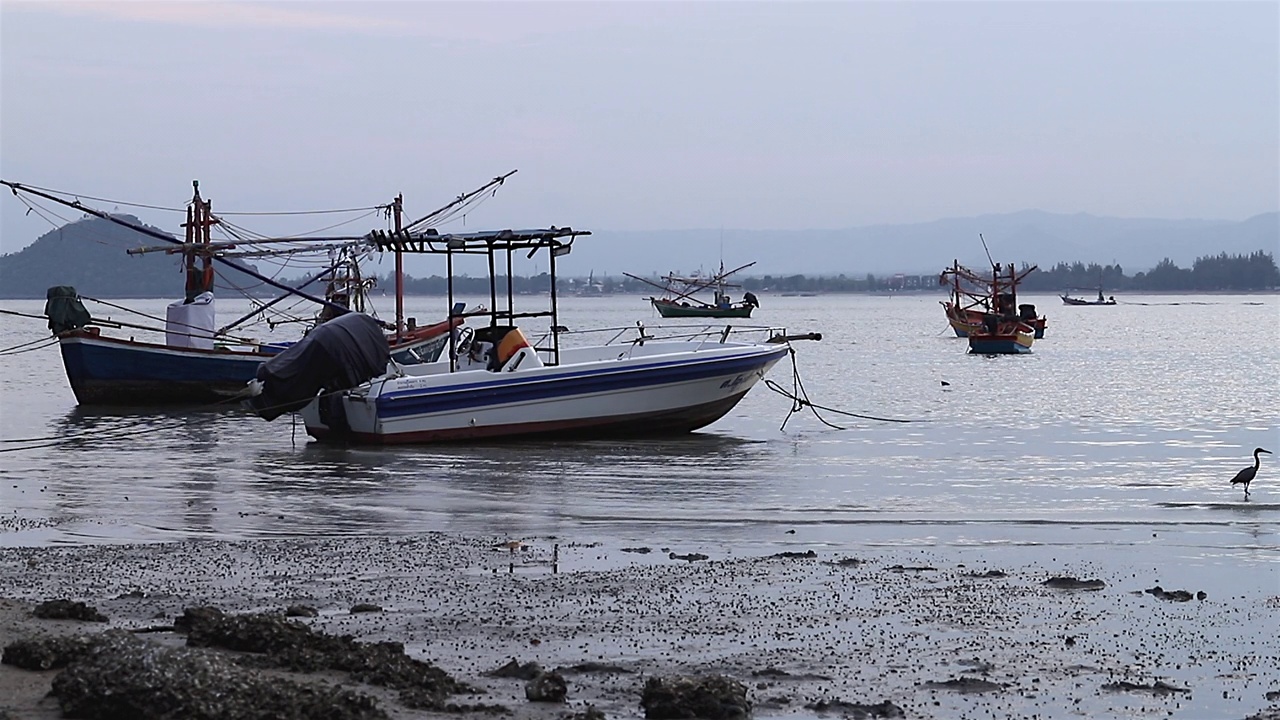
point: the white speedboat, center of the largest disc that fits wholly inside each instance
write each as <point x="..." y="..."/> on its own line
<point x="493" y="382"/>
<point x="641" y="389"/>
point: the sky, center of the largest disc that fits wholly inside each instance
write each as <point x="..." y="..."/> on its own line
<point x="644" y="115"/>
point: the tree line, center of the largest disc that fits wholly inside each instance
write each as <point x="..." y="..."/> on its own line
<point x="1253" y="272"/>
<point x="1222" y="272"/>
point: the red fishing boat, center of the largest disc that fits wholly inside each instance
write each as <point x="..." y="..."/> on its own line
<point x="975" y="296"/>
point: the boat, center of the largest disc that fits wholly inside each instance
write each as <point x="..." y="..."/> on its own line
<point x="496" y="382"/>
<point x="199" y="363"/>
<point x="974" y="296"/>
<point x="106" y="370"/>
<point x="1068" y="300"/>
<point x="679" y="300"/>
<point x="1102" y="299"/>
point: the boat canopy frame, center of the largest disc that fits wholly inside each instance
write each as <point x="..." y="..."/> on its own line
<point x="500" y="247"/>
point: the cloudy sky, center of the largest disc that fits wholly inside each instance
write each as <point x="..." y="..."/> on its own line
<point x="647" y="115"/>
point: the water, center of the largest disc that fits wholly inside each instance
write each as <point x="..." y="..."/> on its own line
<point x="1123" y="419"/>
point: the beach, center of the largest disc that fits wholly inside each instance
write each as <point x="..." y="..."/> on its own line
<point x="808" y="633"/>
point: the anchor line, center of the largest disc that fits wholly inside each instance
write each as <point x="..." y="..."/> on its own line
<point x="800" y="400"/>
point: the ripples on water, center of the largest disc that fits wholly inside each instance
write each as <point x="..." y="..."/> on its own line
<point x="1125" y="416"/>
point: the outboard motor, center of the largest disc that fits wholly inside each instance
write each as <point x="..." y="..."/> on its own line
<point x="1027" y="312"/>
<point x="336" y="355"/>
<point x="749" y="298"/>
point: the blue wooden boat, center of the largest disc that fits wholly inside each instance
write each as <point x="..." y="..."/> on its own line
<point x="107" y="370"/>
<point x="199" y="363"/>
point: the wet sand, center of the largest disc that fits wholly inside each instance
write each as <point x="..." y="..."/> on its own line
<point x="922" y="630"/>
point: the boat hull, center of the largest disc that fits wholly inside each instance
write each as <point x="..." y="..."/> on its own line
<point x="965" y="322"/>
<point x="113" y="371"/>
<point x="116" y="371"/>
<point x="668" y="309"/>
<point x="644" y="396"/>
<point x="1077" y="301"/>
<point x="1000" y="343"/>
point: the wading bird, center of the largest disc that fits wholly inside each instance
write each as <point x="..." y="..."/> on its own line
<point x="1245" y="476"/>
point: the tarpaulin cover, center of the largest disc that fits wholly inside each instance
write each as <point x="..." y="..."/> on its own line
<point x="336" y="355"/>
<point x="64" y="309"/>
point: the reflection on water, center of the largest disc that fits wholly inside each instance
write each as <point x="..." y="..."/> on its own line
<point x="1139" y="414"/>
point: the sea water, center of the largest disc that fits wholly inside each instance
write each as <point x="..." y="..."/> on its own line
<point x="1124" y="424"/>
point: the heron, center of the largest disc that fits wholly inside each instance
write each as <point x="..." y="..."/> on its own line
<point x="1245" y="476"/>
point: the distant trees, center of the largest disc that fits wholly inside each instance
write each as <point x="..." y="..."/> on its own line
<point x="1256" y="271"/>
<point x="1077" y="275"/>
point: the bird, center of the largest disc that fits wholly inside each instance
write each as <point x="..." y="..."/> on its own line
<point x="1245" y="476"/>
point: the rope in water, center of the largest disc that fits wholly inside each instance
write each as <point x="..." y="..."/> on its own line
<point x="800" y="400"/>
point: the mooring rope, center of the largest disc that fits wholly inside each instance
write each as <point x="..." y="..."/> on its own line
<point x="40" y="344"/>
<point x="800" y="400"/>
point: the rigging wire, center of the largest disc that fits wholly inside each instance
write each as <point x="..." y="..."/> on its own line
<point x="183" y="209"/>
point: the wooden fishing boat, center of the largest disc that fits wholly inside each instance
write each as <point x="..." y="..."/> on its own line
<point x="200" y="363"/>
<point x="679" y="298"/>
<point x="496" y="383"/>
<point x="975" y="296"/>
<point x="1078" y="301"/>
<point x="1068" y="300"/>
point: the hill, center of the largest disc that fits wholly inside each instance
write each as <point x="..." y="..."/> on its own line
<point x="90" y="254"/>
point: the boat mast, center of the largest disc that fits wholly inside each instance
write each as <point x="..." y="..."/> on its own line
<point x="199" y="220"/>
<point x="397" y="208"/>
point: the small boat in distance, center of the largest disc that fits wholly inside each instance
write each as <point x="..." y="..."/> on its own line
<point x="1102" y="300"/>
<point x="679" y="301"/>
<point x="1068" y="300"/>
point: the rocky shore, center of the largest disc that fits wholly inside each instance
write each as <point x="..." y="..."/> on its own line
<point x="443" y="626"/>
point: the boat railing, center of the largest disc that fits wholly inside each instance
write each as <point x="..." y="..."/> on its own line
<point x="639" y="333"/>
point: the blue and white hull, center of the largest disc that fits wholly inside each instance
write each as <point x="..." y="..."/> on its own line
<point x="658" y="388"/>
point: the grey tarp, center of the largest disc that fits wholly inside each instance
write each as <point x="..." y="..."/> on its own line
<point x="64" y="309"/>
<point x="336" y="355"/>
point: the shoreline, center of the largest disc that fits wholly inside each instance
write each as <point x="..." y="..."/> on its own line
<point x="800" y="628"/>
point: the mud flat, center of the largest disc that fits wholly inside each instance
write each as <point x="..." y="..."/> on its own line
<point x="420" y="626"/>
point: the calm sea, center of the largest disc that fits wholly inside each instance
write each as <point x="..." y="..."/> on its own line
<point x="1125" y="424"/>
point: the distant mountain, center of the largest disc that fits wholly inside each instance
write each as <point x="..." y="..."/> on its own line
<point x="1030" y="236"/>
<point x="90" y="254"/>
